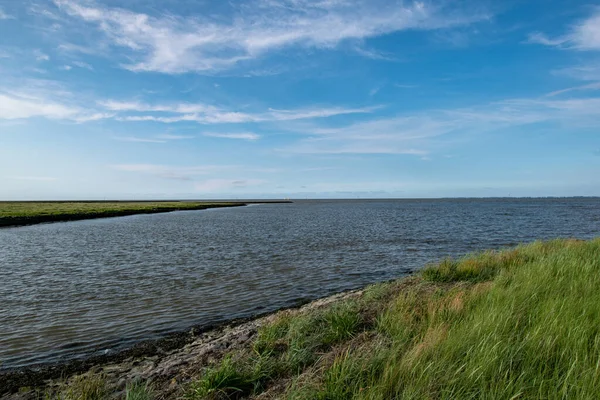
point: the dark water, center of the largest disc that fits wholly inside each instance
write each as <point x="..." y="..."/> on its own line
<point x="68" y="289"/>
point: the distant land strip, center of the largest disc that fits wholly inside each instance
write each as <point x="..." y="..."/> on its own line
<point x="21" y="213"/>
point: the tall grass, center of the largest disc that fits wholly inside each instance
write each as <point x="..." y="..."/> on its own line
<point x="84" y="387"/>
<point x="532" y="331"/>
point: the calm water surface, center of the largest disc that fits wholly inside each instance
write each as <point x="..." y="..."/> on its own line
<point x="71" y="289"/>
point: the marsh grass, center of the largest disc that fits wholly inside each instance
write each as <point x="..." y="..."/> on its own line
<point x="139" y="390"/>
<point x="83" y="387"/>
<point x="227" y="380"/>
<point x="16" y="213"/>
<point x="524" y="323"/>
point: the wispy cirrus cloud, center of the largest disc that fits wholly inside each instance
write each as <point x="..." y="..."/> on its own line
<point x="590" y="86"/>
<point x="584" y="72"/>
<point x="41" y="56"/>
<point x="170" y="136"/>
<point x="78" y="64"/>
<point x="50" y="99"/>
<point x="82" y="64"/>
<point x="583" y="35"/>
<point x="174" y="44"/>
<point x="209" y="114"/>
<point x="239" y="135"/>
<point x="24" y="105"/>
<point x="418" y="134"/>
<point x="163" y="138"/>
<point x="136" y="139"/>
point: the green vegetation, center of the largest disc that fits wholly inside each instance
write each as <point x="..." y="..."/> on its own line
<point x="85" y="387"/>
<point x="24" y="213"/>
<point x="522" y="323"/>
<point x="139" y="391"/>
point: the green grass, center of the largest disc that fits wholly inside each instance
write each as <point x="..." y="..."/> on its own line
<point x="139" y="391"/>
<point x="17" y="213"/>
<point x="519" y="324"/>
<point x="522" y="323"/>
<point x="84" y="387"/>
<point x="223" y="381"/>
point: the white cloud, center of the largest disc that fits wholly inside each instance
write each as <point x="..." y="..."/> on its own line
<point x="591" y="86"/>
<point x="39" y="56"/>
<point x="174" y="108"/>
<point x="373" y="54"/>
<point x="404" y="86"/>
<point x="66" y="68"/>
<point x="41" y="101"/>
<point x="418" y="134"/>
<point x="168" y="136"/>
<point x="584" y="35"/>
<point x="586" y="72"/>
<point x="163" y="138"/>
<point x="135" y="139"/>
<point x="82" y="64"/>
<point x="208" y="114"/>
<point x="20" y="106"/>
<point x="242" y="135"/>
<point x="173" y="44"/>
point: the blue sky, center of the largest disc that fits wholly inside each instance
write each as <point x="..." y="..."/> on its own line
<point x="298" y="98"/>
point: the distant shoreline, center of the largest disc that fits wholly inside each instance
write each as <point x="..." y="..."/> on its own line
<point x="33" y="212"/>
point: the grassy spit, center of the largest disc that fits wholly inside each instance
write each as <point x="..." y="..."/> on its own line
<point x="26" y="212"/>
<point x="522" y="323"/>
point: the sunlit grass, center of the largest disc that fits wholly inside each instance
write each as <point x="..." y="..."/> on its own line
<point x="21" y="213"/>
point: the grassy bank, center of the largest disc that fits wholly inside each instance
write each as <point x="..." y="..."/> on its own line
<point x="26" y="213"/>
<point x="523" y="323"/>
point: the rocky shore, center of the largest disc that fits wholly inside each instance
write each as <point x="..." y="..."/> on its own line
<point x="168" y="363"/>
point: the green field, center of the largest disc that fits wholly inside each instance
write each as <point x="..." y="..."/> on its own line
<point x="522" y="323"/>
<point x="24" y="213"/>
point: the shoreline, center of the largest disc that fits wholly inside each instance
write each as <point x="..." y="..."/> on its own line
<point x="12" y="222"/>
<point x="169" y="347"/>
<point x="513" y="316"/>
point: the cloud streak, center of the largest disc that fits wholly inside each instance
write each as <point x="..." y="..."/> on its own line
<point x="209" y="114"/>
<point x="135" y="139"/>
<point x="173" y="44"/>
<point x="584" y="35"/>
<point x="22" y="106"/>
<point x="163" y="138"/>
<point x="52" y="102"/>
<point x="241" y="136"/>
<point x="418" y="134"/>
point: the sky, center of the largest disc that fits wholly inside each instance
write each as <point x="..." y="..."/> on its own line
<point x="149" y="99"/>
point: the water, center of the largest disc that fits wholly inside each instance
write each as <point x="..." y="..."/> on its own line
<point x="70" y="289"/>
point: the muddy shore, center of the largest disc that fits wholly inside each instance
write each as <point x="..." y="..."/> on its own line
<point x="167" y="362"/>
